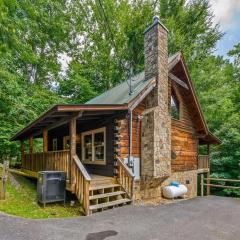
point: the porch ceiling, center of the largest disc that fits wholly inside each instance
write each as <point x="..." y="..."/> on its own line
<point x="61" y="114"/>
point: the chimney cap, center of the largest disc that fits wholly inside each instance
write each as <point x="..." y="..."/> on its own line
<point x="155" y="22"/>
<point x="155" y="18"/>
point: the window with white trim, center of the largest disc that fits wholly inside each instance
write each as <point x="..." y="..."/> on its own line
<point x="94" y="146"/>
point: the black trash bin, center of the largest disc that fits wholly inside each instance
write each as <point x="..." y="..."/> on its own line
<point x="51" y="187"/>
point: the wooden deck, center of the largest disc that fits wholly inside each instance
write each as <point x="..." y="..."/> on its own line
<point x="95" y="192"/>
<point x="46" y="161"/>
<point x="104" y="192"/>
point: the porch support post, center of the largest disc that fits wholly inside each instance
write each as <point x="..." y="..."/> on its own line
<point x="22" y="153"/>
<point x="208" y="173"/>
<point x="202" y="185"/>
<point x="72" y="134"/>
<point x="45" y="140"/>
<point x="30" y="164"/>
<point x="31" y="145"/>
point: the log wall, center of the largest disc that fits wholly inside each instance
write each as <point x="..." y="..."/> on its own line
<point x="184" y="141"/>
<point x="123" y="125"/>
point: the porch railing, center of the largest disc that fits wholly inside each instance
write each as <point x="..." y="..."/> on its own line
<point x="125" y="177"/>
<point x="82" y="180"/>
<point x="203" y="161"/>
<point x="47" y="161"/>
<point x="209" y="184"/>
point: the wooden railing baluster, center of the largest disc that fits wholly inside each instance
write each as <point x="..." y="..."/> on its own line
<point x="82" y="179"/>
<point x="203" y="161"/>
<point x="125" y="177"/>
<point x="47" y="161"/>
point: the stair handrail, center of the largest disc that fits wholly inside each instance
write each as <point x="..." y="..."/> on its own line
<point x="82" y="168"/>
<point x="126" y="181"/>
<point x="82" y="183"/>
<point x="126" y="168"/>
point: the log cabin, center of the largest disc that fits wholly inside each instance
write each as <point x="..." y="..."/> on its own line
<point x="125" y="146"/>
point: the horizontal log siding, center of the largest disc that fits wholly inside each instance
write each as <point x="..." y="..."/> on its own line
<point x="184" y="142"/>
<point x="123" y="125"/>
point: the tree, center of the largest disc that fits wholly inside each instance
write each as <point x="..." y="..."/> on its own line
<point x="103" y="40"/>
<point x="77" y="88"/>
<point x="218" y="90"/>
<point x="25" y="27"/>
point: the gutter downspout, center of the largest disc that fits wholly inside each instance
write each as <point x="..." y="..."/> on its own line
<point x="130" y="137"/>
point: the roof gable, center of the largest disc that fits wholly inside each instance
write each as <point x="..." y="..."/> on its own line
<point x="179" y="69"/>
<point x="118" y="98"/>
<point x="181" y="72"/>
<point x="120" y="94"/>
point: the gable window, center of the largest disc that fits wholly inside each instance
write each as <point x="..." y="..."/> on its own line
<point x="94" y="146"/>
<point x="54" y="144"/>
<point x="175" y="111"/>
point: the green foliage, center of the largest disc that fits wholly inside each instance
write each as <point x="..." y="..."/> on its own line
<point x="75" y="86"/>
<point x="103" y="41"/>
<point x="191" y="28"/>
<point x="22" y="202"/>
<point x="218" y="90"/>
<point x="30" y="40"/>
<point x="34" y="34"/>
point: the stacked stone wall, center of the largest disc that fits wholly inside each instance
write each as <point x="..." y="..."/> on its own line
<point x="156" y="122"/>
<point x="150" y="190"/>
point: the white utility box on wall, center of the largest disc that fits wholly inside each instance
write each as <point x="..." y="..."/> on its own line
<point x="134" y="166"/>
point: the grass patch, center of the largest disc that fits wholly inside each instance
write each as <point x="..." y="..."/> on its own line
<point x="23" y="202"/>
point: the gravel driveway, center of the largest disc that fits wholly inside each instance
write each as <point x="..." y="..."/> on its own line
<point x="200" y="218"/>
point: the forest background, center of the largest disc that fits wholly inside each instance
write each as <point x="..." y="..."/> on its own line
<point x="70" y="51"/>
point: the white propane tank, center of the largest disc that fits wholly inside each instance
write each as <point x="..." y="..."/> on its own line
<point x="173" y="192"/>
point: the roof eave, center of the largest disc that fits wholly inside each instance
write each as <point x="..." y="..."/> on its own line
<point x="134" y="102"/>
<point x="215" y="139"/>
<point x="70" y="108"/>
<point x="181" y="58"/>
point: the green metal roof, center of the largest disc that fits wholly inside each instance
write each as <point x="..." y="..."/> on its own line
<point x="172" y="57"/>
<point x="120" y="93"/>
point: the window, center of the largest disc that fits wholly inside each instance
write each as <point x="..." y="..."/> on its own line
<point x="54" y="145"/>
<point x="175" y="112"/>
<point x="66" y="142"/>
<point x="94" y="146"/>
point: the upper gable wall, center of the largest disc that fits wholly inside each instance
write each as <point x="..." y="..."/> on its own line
<point x="186" y="121"/>
<point x="184" y="141"/>
<point x="190" y="97"/>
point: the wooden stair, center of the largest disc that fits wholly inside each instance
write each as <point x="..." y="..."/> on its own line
<point x="106" y="193"/>
<point x="98" y="193"/>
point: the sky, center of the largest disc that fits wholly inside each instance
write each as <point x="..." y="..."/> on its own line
<point x="227" y="14"/>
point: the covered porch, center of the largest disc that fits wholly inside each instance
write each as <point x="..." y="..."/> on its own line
<point x="79" y="140"/>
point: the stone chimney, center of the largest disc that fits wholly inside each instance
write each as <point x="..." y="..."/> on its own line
<point x="156" y="123"/>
